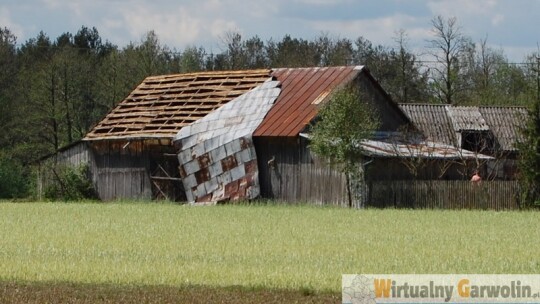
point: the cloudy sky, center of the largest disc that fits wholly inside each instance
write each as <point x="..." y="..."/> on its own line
<point x="513" y="25"/>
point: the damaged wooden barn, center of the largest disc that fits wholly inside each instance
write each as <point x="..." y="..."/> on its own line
<point x="129" y="153"/>
<point x="244" y="149"/>
<point x="254" y="145"/>
<point x="210" y="137"/>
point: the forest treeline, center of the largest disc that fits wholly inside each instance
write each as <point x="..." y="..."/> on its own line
<point x="52" y="90"/>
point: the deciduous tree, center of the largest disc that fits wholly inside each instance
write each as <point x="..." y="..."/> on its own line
<point x="344" y="122"/>
<point x="447" y="47"/>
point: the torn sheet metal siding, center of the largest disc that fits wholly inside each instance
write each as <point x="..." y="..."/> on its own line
<point x="443" y="123"/>
<point x="216" y="153"/>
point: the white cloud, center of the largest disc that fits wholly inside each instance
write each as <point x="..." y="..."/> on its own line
<point x="379" y="30"/>
<point x="517" y="54"/>
<point x="219" y="27"/>
<point x="321" y="2"/>
<point x="203" y="22"/>
<point x="15" y="28"/>
<point x="173" y="27"/>
<point x="497" y="19"/>
<point x="462" y="7"/>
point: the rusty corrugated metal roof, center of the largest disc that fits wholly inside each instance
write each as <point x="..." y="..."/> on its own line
<point x="302" y="90"/>
<point x="161" y="105"/>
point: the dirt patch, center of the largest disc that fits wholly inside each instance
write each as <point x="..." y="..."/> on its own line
<point x="87" y="293"/>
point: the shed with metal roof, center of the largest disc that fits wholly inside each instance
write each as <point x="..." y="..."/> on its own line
<point x="492" y="130"/>
<point x="447" y="124"/>
<point x="288" y="170"/>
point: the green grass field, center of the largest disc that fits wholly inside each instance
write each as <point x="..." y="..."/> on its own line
<point x="255" y="247"/>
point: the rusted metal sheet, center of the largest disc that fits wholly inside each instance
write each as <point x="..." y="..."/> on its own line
<point x="161" y="105"/>
<point x="216" y="153"/>
<point x="301" y="88"/>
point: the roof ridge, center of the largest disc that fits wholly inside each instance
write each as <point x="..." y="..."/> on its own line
<point x="421" y="104"/>
<point x="220" y="72"/>
<point x="449" y="105"/>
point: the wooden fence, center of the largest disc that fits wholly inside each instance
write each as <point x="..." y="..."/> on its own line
<point x="496" y="195"/>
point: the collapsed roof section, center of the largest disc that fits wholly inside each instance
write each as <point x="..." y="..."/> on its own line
<point x="216" y="153"/>
<point x="161" y="105"/>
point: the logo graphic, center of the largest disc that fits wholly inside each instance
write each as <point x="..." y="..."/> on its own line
<point x="440" y="289"/>
<point x="360" y="291"/>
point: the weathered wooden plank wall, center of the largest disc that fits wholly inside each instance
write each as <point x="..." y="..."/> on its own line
<point x="441" y="194"/>
<point x="122" y="171"/>
<point x="119" y="170"/>
<point x="289" y="172"/>
<point x="74" y="155"/>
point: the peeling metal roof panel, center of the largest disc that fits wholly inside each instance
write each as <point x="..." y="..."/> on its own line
<point x="216" y="153"/>
<point x="302" y="90"/>
<point x="161" y="105"/>
<point x="409" y="149"/>
<point x="506" y="124"/>
<point x="426" y="149"/>
<point x="466" y="118"/>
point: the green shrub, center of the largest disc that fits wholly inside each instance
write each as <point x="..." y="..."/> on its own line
<point x="70" y="184"/>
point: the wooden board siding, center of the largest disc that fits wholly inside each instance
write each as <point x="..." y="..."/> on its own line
<point x="122" y="175"/>
<point x="437" y="194"/>
<point x="118" y="170"/>
<point x="295" y="175"/>
<point x="395" y="169"/>
<point x="74" y="155"/>
<point x="391" y="117"/>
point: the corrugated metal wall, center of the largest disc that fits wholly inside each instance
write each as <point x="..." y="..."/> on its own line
<point x="289" y="172"/>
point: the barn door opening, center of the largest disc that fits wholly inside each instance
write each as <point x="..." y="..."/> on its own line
<point x="165" y="178"/>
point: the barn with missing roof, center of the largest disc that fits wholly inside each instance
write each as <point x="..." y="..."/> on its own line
<point x="130" y="153"/>
<point x="216" y="136"/>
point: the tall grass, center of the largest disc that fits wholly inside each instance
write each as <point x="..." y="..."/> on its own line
<point x="288" y="247"/>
